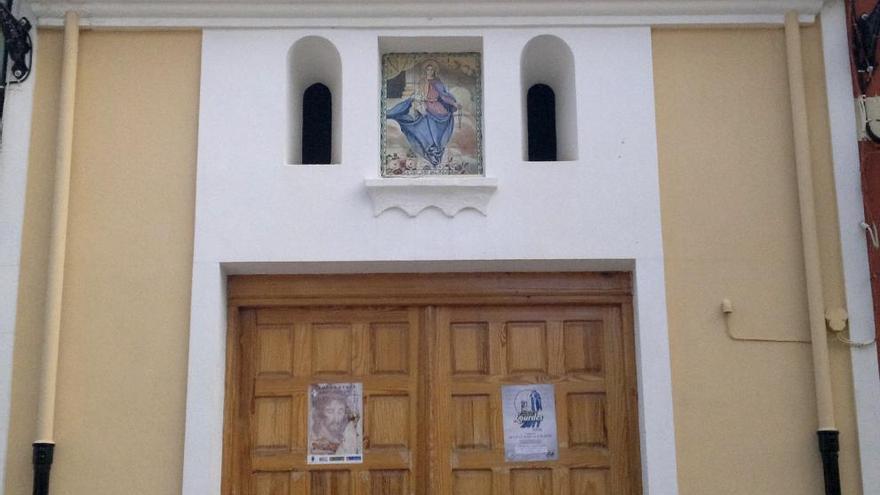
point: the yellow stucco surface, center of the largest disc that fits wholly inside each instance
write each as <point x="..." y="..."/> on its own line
<point x="744" y="411"/>
<point x="122" y="372"/>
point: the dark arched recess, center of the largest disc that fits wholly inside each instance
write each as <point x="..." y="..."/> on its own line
<point x="317" y="124"/>
<point x="541" y="116"/>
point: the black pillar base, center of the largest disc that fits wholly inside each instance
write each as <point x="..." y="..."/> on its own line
<point x="43" y="454"/>
<point x="829" y="446"/>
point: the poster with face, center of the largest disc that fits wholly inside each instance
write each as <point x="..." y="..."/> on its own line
<point x="431" y="114"/>
<point x="335" y="423"/>
<point x="529" y="413"/>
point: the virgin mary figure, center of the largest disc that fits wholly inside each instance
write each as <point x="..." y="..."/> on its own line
<point x="426" y="118"/>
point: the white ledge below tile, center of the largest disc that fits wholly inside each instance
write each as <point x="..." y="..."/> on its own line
<point x="413" y="195"/>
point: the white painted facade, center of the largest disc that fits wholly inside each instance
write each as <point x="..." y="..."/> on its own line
<point x="257" y="214"/>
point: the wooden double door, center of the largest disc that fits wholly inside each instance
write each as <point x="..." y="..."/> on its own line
<point x="432" y="353"/>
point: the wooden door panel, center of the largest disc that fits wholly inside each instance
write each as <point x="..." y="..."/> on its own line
<point x="274" y="348"/>
<point x="331" y="348"/>
<point x="580" y="351"/>
<point x="526" y="347"/>
<point x="476" y="482"/>
<point x="389" y="344"/>
<point x="284" y="351"/>
<point x="589" y="482"/>
<point x="389" y="482"/>
<point x="536" y="481"/>
<point x="583" y="347"/>
<point x="388" y="419"/>
<point x="469" y="348"/>
<point x="268" y="483"/>
<point x="272" y="419"/>
<point x="330" y="482"/>
<point x="473" y="422"/>
<point x="585" y="414"/>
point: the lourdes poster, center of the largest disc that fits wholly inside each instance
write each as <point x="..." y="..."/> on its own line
<point x="529" y="423"/>
<point x="335" y="423"/>
<point x="431" y="114"/>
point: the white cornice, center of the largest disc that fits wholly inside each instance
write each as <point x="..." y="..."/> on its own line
<point x="377" y="13"/>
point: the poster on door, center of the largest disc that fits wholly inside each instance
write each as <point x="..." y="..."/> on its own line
<point x="335" y="423"/>
<point x="529" y="423"/>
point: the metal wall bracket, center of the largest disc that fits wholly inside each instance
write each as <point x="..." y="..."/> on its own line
<point x="19" y="46"/>
<point x="872" y="233"/>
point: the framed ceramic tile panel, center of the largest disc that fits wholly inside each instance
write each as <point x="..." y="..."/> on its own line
<point x="431" y="114"/>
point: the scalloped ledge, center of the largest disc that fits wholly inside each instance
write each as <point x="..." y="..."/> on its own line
<point x="413" y="195"/>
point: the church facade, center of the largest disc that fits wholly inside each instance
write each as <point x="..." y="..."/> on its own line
<point x="643" y="217"/>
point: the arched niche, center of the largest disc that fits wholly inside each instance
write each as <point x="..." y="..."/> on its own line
<point x="313" y="60"/>
<point x="548" y="61"/>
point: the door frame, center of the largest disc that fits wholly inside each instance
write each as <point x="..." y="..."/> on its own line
<point x="429" y="289"/>
<point x="203" y="442"/>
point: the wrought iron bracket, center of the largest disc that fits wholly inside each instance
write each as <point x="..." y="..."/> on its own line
<point x="19" y="45"/>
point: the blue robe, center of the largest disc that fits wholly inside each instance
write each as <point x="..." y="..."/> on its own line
<point x="428" y="133"/>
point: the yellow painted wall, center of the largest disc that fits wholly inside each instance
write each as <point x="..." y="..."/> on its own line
<point x="122" y="374"/>
<point x="744" y="411"/>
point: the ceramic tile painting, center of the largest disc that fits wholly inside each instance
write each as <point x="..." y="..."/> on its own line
<point x="431" y="114"/>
